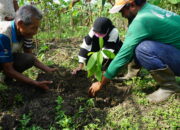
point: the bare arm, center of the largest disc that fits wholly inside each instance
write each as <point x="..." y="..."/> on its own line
<point x="43" y="67"/>
<point x="80" y="67"/>
<point x="11" y="72"/>
<point x="39" y="64"/>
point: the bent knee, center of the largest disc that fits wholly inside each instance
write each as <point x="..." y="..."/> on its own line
<point x="145" y="47"/>
<point x="29" y="58"/>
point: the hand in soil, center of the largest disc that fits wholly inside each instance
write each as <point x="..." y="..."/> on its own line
<point x="44" y="84"/>
<point x="51" y="69"/>
<point x="95" y="87"/>
<point x="75" y="71"/>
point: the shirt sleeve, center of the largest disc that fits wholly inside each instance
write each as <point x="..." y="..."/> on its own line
<point x="28" y="44"/>
<point x="86" y="47"/>
<point x="5" y="49"/>
<point x="137" y="32"/>
<point x="113" y="44"/>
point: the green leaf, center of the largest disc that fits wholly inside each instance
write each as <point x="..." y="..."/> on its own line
<point x="75" y="13"/>
<point x="92" y="61"/>
<point x="109" y="54"/>
<point x="96" y="68"/>
<point x="174" y="1"/>
<point x="155" y="2"/>
<point x="92" y="71"/>
<point x="98" y="74"/>
<point x="100" y="58"/>
<point x="90" y="53"/>
<point x="101" y="43"/>
<point x="21" y="2"/>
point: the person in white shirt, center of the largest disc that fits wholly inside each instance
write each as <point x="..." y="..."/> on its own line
<point x="8" y="9"/>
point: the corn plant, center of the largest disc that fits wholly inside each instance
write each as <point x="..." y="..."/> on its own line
<point x="95" y="61"/>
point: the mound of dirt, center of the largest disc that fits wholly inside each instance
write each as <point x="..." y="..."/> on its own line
<point x="41" y="105"/>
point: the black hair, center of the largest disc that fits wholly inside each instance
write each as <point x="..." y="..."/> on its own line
<point x="102" y="25"/>
<point x="137" y="2"/>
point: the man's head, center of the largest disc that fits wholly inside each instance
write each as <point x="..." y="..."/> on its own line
<point x="101" y="26"/>
<point x="27" y="20"/>
<point x="128" y="8"/>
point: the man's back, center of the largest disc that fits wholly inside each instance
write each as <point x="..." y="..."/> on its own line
<point x="156" y="24"/>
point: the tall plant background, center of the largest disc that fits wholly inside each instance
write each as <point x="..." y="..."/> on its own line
<point x="73" y="18"/>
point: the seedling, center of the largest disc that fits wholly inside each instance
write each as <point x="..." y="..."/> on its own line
<point x="94" y="65"/>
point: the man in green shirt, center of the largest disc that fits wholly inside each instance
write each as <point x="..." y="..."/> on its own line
<point x="153" y="39"/>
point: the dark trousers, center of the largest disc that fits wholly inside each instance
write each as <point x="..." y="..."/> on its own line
<point x="22" y="61"/>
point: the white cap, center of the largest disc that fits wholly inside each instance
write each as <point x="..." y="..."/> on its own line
<point x="119" y="5"/>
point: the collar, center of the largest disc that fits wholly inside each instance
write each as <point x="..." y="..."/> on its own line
<point x="14" y="32"/>
<point x="143" y="7"/>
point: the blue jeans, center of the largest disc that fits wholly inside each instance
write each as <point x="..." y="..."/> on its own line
<point x="155" y="55"/>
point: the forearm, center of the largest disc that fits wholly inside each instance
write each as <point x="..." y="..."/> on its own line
<point x="18" y="76"/>
<point x="122" y="58"/>
<point x="28" y="51"/>
<point x="81" y="65"/>
<point x="40" y="65"/>
<point x="104" y="81"/>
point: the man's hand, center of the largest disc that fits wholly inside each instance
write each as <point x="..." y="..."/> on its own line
<point x="95" y="87"/>
<point x="75" y="71"/>
<point x="43" y="67"/>
<point x="43" y="84"/>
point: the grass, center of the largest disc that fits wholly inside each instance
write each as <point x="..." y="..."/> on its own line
<point x="137" y="113"/>
<point x="134" y="113"/>
<point x="3" y="87"/>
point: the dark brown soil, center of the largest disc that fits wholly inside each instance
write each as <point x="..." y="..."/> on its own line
<point x="22" y="99"/>
<point x="42" y="104"/>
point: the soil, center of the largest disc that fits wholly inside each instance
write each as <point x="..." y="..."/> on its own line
<point x="21" y="99"/>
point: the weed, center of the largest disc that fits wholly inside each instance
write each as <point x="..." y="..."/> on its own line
<point x="3" y="87"/>
<point x="142" y="101"/>
<point x="90" y="103"/>
<point x="62" y="120"/>
<point x="43" y="48"/>
<point x="24" y="121"/>
<point x="18" y="99"/>
<point x="91" y="126"/>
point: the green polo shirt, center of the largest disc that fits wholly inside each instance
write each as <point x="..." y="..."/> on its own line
<point x="150" y="23"/>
